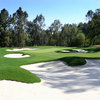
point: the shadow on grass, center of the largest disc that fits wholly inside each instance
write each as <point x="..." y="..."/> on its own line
<point x="93" y="50"/>
<point x="74" y="61"/>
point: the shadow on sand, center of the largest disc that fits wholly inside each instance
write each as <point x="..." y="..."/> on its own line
<point x="70" y="79"/>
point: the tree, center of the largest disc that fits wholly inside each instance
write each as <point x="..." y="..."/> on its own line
<point x="89" y="15"/>
<point x="55" y="29"/>
<point x="4" y="28"/>
<point x="97" y="40"/>
<point x="36" y="31"/>
<point x="16" y="30"/>
<point x="48" y="38"/>
<point x="64" y="35"/>
<point x="93" y="26"/>
<point x="20" y="19"/>
<point x="96" y="22"/>
<point x="80" y="39"/>
<point x="67" y="35"/>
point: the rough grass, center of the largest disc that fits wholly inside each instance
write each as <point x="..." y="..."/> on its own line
<point x="10" y="67"/>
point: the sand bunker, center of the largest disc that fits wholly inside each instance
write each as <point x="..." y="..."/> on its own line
<point x="75" y="51"/>
<point x="21" y="49"/>
<point x="16" y="56"/>
<point x="65" y="51"/>
<point x="59" y="82"/>
<point x="80" y="50"/>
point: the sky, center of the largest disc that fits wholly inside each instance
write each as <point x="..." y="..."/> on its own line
<point x="67" y="11"/>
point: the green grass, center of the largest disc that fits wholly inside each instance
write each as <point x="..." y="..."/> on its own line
<point x="10" y="67"/>
<point x="74" y="61"/>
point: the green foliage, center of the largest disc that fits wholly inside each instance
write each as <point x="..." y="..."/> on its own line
<point x="53" y="42"/>
<point x="80" y="39"/>
<point x="35" y="29"/>
<point x="68" y="34"/>
<point x="93" y="25"/>
<point x="97" y="40"/>
<point x="20" y="18"/>
<point x="55" y="28"/>
<point x="87" y="42"/>
<point x="16" y="30"/>
<point x="4" y="28"/>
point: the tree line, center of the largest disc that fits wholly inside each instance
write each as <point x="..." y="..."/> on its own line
<point x="16" y="30"/>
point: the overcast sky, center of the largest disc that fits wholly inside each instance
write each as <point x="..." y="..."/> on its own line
<point x="67" y="11"/>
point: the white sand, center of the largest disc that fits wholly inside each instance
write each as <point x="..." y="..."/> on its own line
<point x="75" y="50"/>
<point x="16" y="56"/>
<point x="21" y="49"/>
<point x="80" y="50"/>
<point x="65" y="51"/>
<point x="59" y="82"/>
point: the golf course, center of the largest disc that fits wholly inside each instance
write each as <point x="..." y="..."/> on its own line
<point x="10" y="67"/>
<point x="49" y="49"/>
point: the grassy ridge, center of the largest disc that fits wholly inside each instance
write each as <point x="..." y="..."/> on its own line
<point x="74" y="61"/>
<point x="10" y="67"/>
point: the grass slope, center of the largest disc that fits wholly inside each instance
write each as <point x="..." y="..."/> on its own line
<point x="10" y="67"/>
<point x="74" y="61"/>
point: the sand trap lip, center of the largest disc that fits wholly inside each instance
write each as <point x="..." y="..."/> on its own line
<point x="21" y="49"/>
<point x="16" y="55"/>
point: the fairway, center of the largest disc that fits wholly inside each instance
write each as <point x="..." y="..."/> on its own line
<point x="10" y="67"/>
